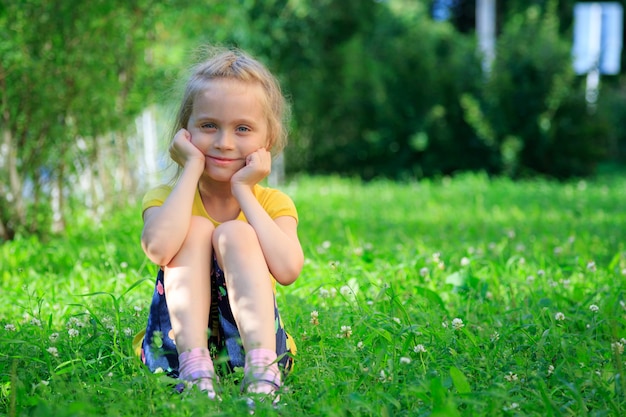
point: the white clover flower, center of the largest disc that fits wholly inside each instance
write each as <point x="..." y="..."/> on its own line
<point x="53" y="337"/>
<point x="495" y="336"/>
<point x="314" y="317"/>
<point x="513" y="406"/>
<point x="424" y="271"/>
<point x="128" y="332"/>
<point x="124" y="265"/>
<point x="358" y="251"/>
<point x="326" y="244"/>
<point x="465" y="261"/>
<point x="558" y="250"/>
<point x="594" y="308"/>
<point x="397" y="320"/>
<point x="346" y="291"/>
<point x="419" y="349"/>
<point x="511" y="377"/>
<point x="624" y="271"/>
<point x="591" y="266"/>
<point x="444" y="324"/>
<point x="346" y="331"/>
<point x="137" y="308"/>
<point x="10" y="327"/>
<point x="436" y="257"/>
<point x="489" y="295"/>
<point x="618" y="347"/>
<point x="35" y="322"/>
<point x="623" y="304"/>
<point x="530" y="279"/>
<point x="404" y="360"/>
<point x="74" y="322"/>
<point x="333" y="292"/>
<point x="541" y="272"/>
<point x="72" y="332"/>
<point x="53" y="351"/>
<point x="550" y="370"/>
<point x="457" y="324"/>
<point x="559" y="316"/>
<point x="360" y="345"/>
<point x="324" y="293"/>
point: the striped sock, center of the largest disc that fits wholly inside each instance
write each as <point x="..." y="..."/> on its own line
<point x="261" y="371"/>
<point x="196" y="367"/>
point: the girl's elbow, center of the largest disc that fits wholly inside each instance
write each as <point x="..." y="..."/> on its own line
<point x="156" y="253"/>
<point x="289" y="276"/>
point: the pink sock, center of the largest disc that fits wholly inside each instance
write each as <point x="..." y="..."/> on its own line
<point x="261" y="371"/>
<point x="196" y="366"/>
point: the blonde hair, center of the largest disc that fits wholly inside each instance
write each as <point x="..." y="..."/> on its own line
<point x="234" y="64"/>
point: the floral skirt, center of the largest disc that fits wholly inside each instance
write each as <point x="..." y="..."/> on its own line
<point x="157" y="347"/>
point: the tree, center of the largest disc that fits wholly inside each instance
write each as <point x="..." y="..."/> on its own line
<point x="68" y="77"/>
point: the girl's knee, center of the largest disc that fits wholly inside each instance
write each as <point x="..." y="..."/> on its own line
<point x="200" y="226"/>
<point x="235" y="233"/>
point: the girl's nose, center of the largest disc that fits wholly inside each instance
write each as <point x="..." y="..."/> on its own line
<point x="224" y="141"/>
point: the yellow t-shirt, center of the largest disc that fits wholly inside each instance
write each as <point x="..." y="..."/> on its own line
<point x="274" y="202"/>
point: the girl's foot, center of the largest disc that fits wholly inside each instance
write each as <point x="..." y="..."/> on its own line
<point x="196" y="367"/>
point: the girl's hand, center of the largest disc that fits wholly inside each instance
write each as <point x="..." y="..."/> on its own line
<point x="183" y="151"/>
<point x="258" y="166"/>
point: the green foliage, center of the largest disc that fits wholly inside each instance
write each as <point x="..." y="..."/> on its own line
<point x="383" y="91"/>
<point x="532" y="96"/>
<point x="463" y="296"/>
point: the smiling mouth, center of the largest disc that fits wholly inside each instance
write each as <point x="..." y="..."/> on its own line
<point x="220" y="159"/>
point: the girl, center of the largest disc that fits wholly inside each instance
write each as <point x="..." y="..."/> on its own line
<point x="221" y="239"/>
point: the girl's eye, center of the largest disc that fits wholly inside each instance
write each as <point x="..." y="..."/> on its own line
<point x="208" y="126"/>
<point x="243" y="129"/>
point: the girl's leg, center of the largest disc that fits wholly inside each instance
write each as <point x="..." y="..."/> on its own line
<point x="188" y="293"/>
<point x="251" y="299"/>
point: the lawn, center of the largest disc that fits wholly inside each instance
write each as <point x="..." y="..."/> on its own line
<point x="463" y="296"/>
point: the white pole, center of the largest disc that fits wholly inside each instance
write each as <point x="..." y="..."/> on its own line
<point x="486" y="31"/>
<point x="148" y="131"/>
<point x="277" y="175"/>
<point x="595" y="40"/>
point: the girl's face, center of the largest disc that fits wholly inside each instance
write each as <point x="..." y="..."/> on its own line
<point x="228" y="123"/>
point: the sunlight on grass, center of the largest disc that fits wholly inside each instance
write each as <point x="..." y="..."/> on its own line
<point x="464" y="296"/>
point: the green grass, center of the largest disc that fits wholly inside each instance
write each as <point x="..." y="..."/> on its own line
<point x="463" y="297"/>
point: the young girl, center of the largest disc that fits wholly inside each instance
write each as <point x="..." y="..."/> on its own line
<point x="221" y="239"/>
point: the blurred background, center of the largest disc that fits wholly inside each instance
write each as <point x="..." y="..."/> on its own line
<point x="400" y="89"/>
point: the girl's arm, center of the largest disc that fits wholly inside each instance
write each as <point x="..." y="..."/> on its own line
<point x="278" y="237"/>
<point x="165" y="227"/>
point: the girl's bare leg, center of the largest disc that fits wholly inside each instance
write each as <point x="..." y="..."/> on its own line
<point x="188" y="292"/>
<point x="251" y="299"/>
